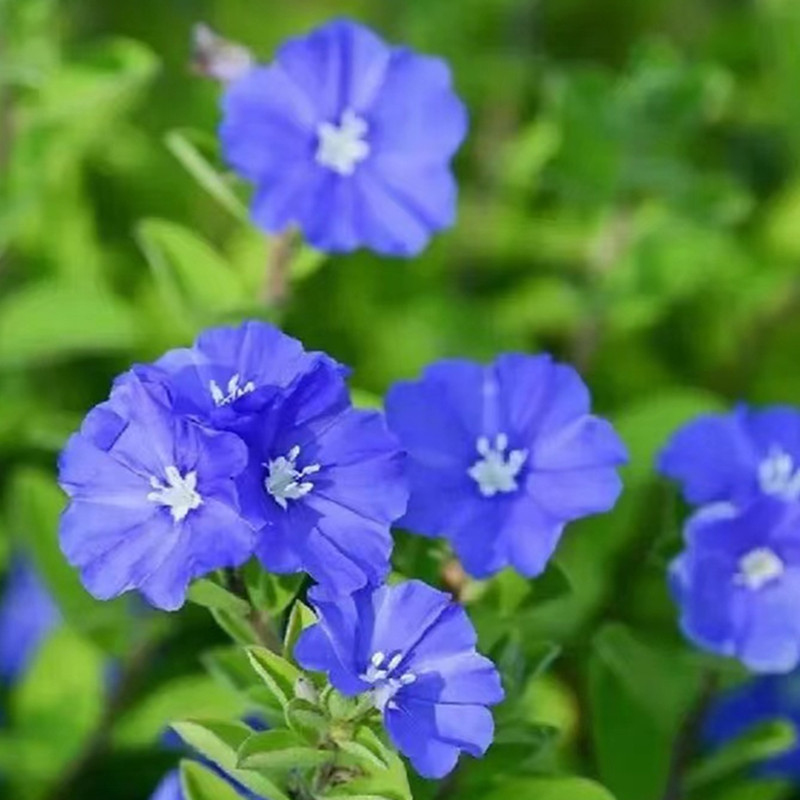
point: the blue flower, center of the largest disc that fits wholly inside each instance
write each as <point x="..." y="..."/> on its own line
<point x="737" y="583"/>
<point x="763" y="700"/>
<point x="349" y="139"/>
<point x="501" y="457"/>
<point x="230" y="373"/>
<point x="324" y="485"/>
<point x="153" y="501"/>
<point x="737" y="456"/>
<point x="27" y="616"/>
<point x="413" y="649"/>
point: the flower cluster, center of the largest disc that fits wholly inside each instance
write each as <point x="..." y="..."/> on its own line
<point x="243" y="444"/>
<point x="737" y="582"/>
<point x="349" y="139"/>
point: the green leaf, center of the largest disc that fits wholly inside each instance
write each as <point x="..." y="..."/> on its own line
<point x="220" y="742"/>
<point x="49" y="321"/>
<point x="180" y="144"/>
<point x="236" y="626"/>
<point x="190" y="272"/>
<point x="387" y="784"/>
<point x="300" y="618"/>
<point x="279" y="675"/>
<point x="555" y="788"/>
<point x="639" y="692"/>
<point x="205" y="592"/>
<point x="279" y="751"/>
<point x="366" y="748"/>
<point x="200" y="783"/>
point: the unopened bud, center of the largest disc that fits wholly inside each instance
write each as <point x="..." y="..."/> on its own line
<point x="217" y="58"/>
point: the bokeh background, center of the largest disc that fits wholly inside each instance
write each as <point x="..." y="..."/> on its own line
<point x="630" y="201"/>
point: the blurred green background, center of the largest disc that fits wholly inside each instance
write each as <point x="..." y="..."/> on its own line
<point x="630" y="201"/>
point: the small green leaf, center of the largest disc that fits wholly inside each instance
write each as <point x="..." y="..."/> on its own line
<point x="236" y="626"/>
<point x="206" y="593"/>
<point x="270" y="593"/>
<point x="200" y="783"/>
<point x="220" y="742"/>
<point x="280" y="750"/>
<point x="189" y="271"/>
<point x="49" y="321"/>
<point x="366" y="748"/>
<point x="387" y="784"/>
<point x="300" y="618"/>
<point x="278" y="674"/>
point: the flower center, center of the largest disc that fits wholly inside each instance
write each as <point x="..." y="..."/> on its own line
<point x="342" y="147"/>
<point x="234" y="391"/>
<point x="759" y="567"/>
<point x="497" y="470"/>
<point x="778" y="475"/>
<point x="179" y="494"/>
<point x="385" y="685"/>
<point x="285" y="482"/>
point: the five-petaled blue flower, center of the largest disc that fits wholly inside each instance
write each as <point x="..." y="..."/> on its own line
<point x="737" y="583"/>
<point x="27" y="616"/>
<point x="501" y="457"/>
<point x="325" y="483"/>
<point x="736" y="457"/>
<point x="349" y="139"/>
<point x="413" y="649"/>
<point x="763" y="700"/>
<point x="153" y="500"/>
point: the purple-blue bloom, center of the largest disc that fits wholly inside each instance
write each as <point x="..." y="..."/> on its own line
<point x="760" y="701"/>
<point x="413" y="649"/>
<point x="737" y="456"/>
<point x="501" y="457"/>
<point x="232" y="373"/>
<point x="324" y="485"/>
<point x="348" y="138"/>
<point x="27" y="616"/>
<point x="737" y="583"/>
<point x="153" y="500"/>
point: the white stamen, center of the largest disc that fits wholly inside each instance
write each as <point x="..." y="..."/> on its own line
<point x="758" y="568"/>
<point x="179" y="494"/>
<point x="285" y="482"/>
<point x="497" y="470"/>
<point x="385" y="685"/>
<point x="235" y="391"/>
<point x="342" y="147"/>
<point x="778" y="475"/>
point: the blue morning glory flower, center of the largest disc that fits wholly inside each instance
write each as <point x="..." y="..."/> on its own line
<point x="413" y="649"/>
<point x="324" y="484"/>
<point x="349" y="139"/>
<point x="501" y="457"/>
<point x="736" y="456"/>
<point x="737" y="583"/>
<point x="153" y="501"/>
<point x="27" y="616"/>
<point x="763" y="700"/>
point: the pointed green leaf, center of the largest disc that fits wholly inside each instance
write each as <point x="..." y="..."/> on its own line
<point x="278" y="674"/>
<point x="200" y="783"/>
<point x="366" y="748"/>
<point x="219" y="742"/>
<point x="300" y="618"/>
<point x="279" y="751"/>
